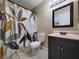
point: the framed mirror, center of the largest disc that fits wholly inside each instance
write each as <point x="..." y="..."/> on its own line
<point x="63" y="16"/>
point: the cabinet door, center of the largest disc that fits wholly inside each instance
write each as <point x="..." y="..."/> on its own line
<point x="70" y="49"/>
<point x="54" y="48"/>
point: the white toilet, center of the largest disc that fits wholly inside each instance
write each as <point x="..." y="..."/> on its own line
<point x="35" y="46"/>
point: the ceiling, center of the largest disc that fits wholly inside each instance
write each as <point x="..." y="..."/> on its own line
<point x="29" y="4"/>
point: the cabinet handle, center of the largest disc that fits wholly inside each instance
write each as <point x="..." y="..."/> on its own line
<point x="62" y="48"/>
<point x="58" y="47"/>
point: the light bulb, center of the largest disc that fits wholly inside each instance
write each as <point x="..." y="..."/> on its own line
<point x="54" y="0"/>
<point x="50" y="3"/>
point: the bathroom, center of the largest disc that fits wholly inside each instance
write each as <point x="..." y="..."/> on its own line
<point x="36" y="23"/>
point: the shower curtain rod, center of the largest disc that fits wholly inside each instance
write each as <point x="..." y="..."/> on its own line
<point x="21" y="6"/>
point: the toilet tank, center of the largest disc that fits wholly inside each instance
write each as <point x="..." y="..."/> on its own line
<point x="41" y="37"/>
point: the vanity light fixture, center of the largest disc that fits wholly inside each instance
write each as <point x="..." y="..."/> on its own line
<point x="56" y="2"/>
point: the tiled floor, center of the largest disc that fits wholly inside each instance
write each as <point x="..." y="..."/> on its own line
<point x="42" y="54"/>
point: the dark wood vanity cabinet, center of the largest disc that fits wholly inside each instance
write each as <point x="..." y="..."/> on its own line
<point x="63" y="48"/>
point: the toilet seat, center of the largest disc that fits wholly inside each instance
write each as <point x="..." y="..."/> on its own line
<point x="35" y="44"/>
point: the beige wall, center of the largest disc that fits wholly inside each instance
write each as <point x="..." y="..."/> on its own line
<point x="44" y="17"/>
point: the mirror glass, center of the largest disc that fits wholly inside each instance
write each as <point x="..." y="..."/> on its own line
<point x="63" y="16"/>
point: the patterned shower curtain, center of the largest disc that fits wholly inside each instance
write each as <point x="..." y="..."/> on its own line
<point x="23" y="20"/>
<point x="17" y="28"/>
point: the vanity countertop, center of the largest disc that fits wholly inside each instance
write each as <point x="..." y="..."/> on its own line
<point x="70" y="36"/>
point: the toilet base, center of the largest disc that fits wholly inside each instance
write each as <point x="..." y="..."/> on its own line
<point x="34" y="52"/>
